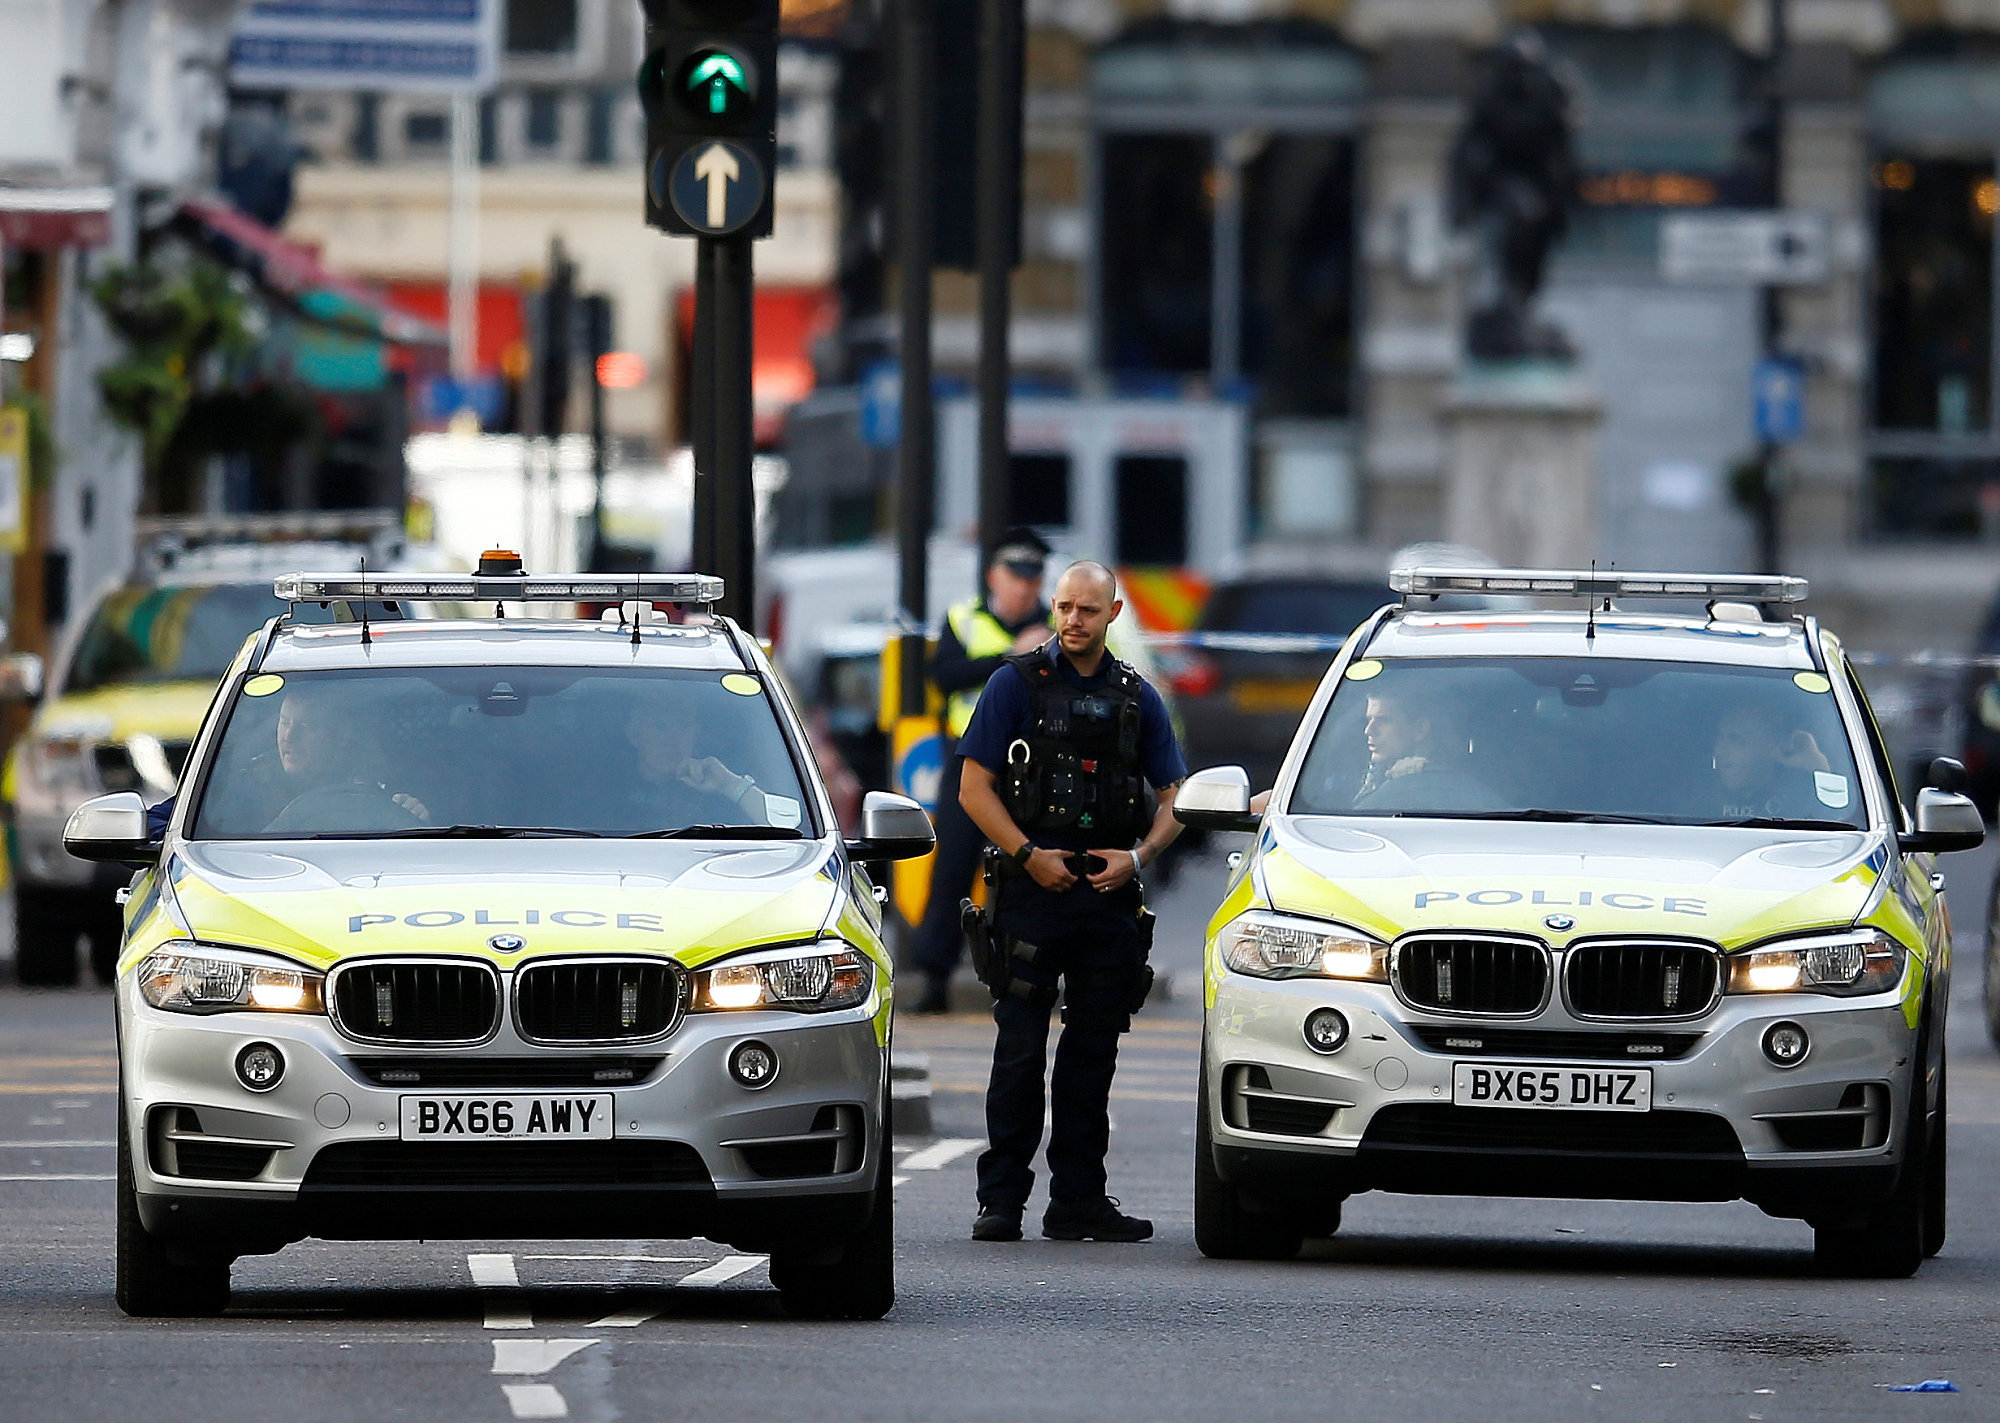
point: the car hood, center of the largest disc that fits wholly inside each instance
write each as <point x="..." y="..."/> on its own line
<point x="1561" y="882"/>
<point x="323" y="901"/>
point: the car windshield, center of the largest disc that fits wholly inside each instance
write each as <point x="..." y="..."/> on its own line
<point x="503" y="751"/>
<point x="1586" y="738"/>
<point x="187" y="634"/>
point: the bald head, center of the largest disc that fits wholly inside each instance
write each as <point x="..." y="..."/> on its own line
<point x="1086" y="602"/>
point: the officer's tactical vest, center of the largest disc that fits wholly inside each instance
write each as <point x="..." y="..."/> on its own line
<point x="1077" y="768"/>
<point x="982" y="635"/>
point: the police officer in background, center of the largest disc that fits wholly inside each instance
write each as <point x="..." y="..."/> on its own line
<point x="1069" y="766"/>
<point x="979" y="634"/>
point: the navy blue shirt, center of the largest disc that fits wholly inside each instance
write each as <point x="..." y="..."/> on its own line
<point x="1006" y="711"/>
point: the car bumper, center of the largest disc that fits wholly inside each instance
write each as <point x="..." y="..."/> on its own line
<point x="692" y="1152"/>
<point x="1725" y="1123"/>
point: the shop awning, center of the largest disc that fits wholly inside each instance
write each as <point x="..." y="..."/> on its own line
<point x="293" y="272"/>
<point x="44" y="218"/>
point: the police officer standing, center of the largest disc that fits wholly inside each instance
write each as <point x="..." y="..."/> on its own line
<point x="1069" y="766"/>
<point x="978" y="636"/>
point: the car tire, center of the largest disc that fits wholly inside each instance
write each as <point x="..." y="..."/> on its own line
<point x="858" y="1282"/>
<point x="1938" y="1172"/>
<point x="45" y="932"/>
<point x="1223" y="1229"/>
<point x="1991" y="978"/>
<point x="104" y="926"/>
<point x="1889" y="1241"/>
<point x="151" y="1282"/>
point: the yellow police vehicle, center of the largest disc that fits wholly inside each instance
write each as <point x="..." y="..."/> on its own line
<point x="1589" y="902"/>
<point x="508" y="926"/>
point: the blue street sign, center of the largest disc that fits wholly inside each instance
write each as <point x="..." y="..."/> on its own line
<point x="367" y="44"/>
<point x="1778" y="397"/>
<point x="882" y="404"/>
<point x="716" y="187"/>
<point x="921" y="770"/>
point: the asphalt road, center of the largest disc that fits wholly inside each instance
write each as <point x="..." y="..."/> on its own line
<point x="1423" y="1308"/>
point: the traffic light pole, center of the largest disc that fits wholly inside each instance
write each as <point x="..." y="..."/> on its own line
<point x="917" y="450"/>
<point x="998" y="222"/>
<point x="734" y="435"/>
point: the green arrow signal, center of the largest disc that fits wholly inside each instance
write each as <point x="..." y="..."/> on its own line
<point x="718" y="72"/>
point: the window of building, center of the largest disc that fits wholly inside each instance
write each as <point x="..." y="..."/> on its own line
<point x="1038" y="490"/>
<point x="1152" y="513"/>
<point x="489" y="129"/>
<point x="1158" y="253"/>
<point x="543" y="125"/>
<point x="365" y="142"/>
<point x="600" y="144"/>
<point x="426" y="129"/>
<point x="541" y="27"/>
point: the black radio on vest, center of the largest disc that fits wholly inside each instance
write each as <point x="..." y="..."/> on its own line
<point x="1078" y="769"/>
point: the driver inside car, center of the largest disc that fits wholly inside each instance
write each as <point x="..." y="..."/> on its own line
<point x="1767" y="772"/>
<point x="321" y="778"/>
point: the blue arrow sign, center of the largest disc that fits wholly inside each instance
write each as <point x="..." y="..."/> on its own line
<point x="716" y="187"/>
<point x="1778" y="393"/>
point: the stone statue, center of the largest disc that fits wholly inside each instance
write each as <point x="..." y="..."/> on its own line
<point x="1513" y="176"/>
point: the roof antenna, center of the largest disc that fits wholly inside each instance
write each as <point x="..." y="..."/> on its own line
<point x="636" y="611"/>
<point x="1590" y="621"/>
<point x="367" y="638"/>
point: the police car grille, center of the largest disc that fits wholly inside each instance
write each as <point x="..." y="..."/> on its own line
<point x="1469" y="975"/>
<point x="1639" y="980"/>
<point x="599" y="1001"/>
<point x="417" y="1002"/>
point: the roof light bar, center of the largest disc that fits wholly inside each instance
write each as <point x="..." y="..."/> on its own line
<point x="1573" y="583"/>
<point x="378" y="587"/>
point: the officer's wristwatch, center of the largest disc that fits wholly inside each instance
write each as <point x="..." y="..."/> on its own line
<point x="1021" y="855"/>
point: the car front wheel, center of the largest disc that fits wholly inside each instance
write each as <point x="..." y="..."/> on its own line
<point x="1223" y="1229"/>
<point x="858" y="1280"/>
<point x="1889" y="1241"/>
<point x="152" y="1281"/>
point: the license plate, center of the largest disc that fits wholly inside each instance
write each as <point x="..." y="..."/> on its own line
<point x="519" y="1116"/>
<point x="1566" y="1088"/>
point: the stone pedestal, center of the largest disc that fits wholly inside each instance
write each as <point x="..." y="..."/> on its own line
<point x="1521" y="464"/>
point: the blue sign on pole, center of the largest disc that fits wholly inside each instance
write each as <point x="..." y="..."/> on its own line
<point x="433" y="45"/>
<point x="921" y="771"/>
<point x="882" y="405"/>
<point x="1778" y="396"/>
<point x="716" y="188"/>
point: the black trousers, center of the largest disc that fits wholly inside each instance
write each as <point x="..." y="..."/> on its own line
<point x="1096" y="956"/>
<point x="939" y="940"/>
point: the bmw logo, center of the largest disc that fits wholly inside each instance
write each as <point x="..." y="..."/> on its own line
<point x="514" y="943"/>
<point x="1557" y="922"/>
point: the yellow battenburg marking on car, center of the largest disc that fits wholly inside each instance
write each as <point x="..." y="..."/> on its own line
<point x="1364" y="669"/>
<point x="1242" y="895"/>
<point x="1811" y="682"/>
<point x="263" y="686"/>
<point x="742" y="683"/>
<point x="171" y="711"/>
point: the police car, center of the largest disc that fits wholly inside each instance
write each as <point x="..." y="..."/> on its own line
<point x="510" y="926"/>
<point x="1595" y="902"/>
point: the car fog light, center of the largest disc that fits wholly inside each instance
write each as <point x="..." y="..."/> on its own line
<point x="754" y="1064"/>
<point x="1326" y="1030"/>
<point x="260" y="1067"/>
<point x="1786" y="1044"/>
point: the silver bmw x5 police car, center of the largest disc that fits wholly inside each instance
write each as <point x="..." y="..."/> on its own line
<point x="1597" y="902"/>
<point x="533" y="927"/>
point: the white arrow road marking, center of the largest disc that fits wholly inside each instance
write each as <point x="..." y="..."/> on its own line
<point x="533" y="1356"/>
<point x="717" y="167"/>
<point x="727" y="1268"/>
<point x="941" y="1153"/>
<point x="535" y="1400"/>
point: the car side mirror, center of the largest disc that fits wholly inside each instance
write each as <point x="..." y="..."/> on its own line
<point x="21" y="677"/>
<point x="1945" y="821"/>
<point x="111" y="828"/>
<point x="1217" y="798"/>
<point x="1947" y="775"/>
<point x="893" y="827"/>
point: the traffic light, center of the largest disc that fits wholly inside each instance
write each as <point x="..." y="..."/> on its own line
<point x="710" y="89"/>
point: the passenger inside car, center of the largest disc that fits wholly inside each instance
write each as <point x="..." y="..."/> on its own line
<point x="1769" y="770"/>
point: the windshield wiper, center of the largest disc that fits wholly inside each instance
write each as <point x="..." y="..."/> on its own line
<point x="721" y="832"/>
<point x="1781" y="822"/>
<point x="1579" y="817"/>
<point x="462" y="832"/>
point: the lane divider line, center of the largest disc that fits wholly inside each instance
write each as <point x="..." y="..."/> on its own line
<point x="62" y="1176"/>
<point x="492" y="1270"/>
<point x="727" y="1268"/>
<point x="533" y="1356"/>
<point x="940" y="1153"/>
<point x="497" y="1280"/>
<point x="630" y="1319"/>
<point x="26" y="1144"/>
<point x="535" y="1400"/>
<point x="895" y="1181"/>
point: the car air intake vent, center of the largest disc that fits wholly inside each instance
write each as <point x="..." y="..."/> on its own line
<point x="1640" y="980"/>
<point x="381" y="1001"/>
<point x="1484" y="1041"/>
<point x="597" y="1000"/>
<point x="1459" y="974"/>
<point x="474" y="1166"/>
<point x="506" y="1071"/>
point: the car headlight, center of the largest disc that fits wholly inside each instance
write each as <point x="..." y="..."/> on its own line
<point x="1266" y="945"/>
<point x="64" y="764"/>
<point x="186" y="977"/>
<point x="1845" y="964"/>
<point x="811" y="978"/>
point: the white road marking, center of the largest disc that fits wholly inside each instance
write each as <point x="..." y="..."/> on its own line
<point x="27" y="1144"/>
<point x="646" y="1259"/>
<point x="940" y="1153"/>
<point x="500" y="1315"/>
<point x="70" y="1106"/>
<point x="533" y="1356"/>
<point x="535" y="1400"/>
<point x="493" y="1270"/>
<point x="45" y="1121"/>
<point x="61" y="1176"/>
<point x="630" y="1320"/>
<point x="727" y="1268"/>
<point x="897" y="1180"/>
